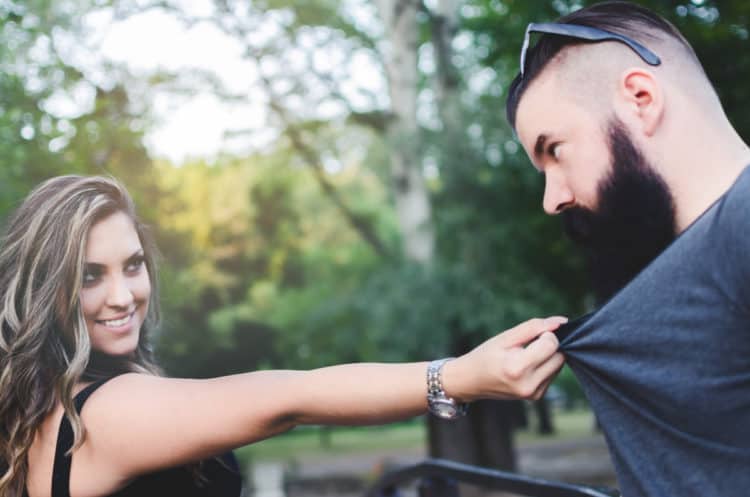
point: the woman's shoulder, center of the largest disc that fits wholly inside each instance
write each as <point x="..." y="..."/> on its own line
<point x="127" y="391"/>
<point x="94" y="470"/>
<point x="41" y="455"/>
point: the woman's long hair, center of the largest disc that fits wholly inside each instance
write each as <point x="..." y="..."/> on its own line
<point x="44" y="344"/>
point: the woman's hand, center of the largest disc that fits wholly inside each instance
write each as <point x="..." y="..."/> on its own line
<point x="518" y="363"/>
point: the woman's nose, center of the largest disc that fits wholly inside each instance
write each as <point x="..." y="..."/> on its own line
<point x="119" y="292"/>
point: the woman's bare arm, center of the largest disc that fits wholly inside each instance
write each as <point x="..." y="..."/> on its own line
<point x="138" y="423"/>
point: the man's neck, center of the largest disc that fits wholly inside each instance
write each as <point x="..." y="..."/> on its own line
<point x="701" y="170"/>
<point x="703" y="186"/>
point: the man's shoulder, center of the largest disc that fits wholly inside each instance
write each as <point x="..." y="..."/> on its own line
<point x="728" y="230"/>
<point x="735" y="204"/>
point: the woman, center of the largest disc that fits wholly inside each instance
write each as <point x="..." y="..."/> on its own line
<point x="78" y="300"/>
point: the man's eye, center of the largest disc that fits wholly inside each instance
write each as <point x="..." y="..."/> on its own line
<point x="554" y="150"/>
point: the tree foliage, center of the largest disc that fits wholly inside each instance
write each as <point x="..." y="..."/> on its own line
<point x="292" y="256"/>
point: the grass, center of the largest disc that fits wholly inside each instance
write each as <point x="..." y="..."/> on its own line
<point x="311" y="441"/>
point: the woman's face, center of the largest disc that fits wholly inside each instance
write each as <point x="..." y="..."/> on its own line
<point x="116" y="288"/>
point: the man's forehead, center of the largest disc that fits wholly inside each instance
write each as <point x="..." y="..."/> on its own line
<point x="538" y="109"/>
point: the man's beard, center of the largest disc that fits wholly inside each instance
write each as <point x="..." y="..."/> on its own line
<point x="634" y="220"/>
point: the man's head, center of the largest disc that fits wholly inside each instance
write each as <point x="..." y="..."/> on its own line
<point x="582" y="69"/>
<point x="596" y="118"/>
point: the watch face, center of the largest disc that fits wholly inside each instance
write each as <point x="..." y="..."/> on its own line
<point x="443" y="408"/>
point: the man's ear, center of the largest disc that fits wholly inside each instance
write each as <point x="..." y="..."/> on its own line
<point x="641" y="98"/>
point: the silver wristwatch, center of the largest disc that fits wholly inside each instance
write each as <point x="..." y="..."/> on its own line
<point x="438" y="403"/>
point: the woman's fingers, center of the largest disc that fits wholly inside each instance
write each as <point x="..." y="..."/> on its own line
<point x="545" y="373"/>
<point x="550" y="376"/>
<point x="529" y="380"/>
<point x="539" y="393"/>
<point x="529" y="330"/>
<point x="527" y="369"/>
<point x="540" y="350"/>
<point x="512" y="364"/>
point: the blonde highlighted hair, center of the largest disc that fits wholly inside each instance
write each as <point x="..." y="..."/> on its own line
<point x="44" y="345"/>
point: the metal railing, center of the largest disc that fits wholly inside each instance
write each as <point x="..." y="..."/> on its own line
<point x="440" y="478"/>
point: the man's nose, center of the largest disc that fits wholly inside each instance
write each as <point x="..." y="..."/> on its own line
<point x="119" y="293"/>
<point x="557" y="195"/>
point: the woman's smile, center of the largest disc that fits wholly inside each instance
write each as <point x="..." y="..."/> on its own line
<point x="118" y="324"/>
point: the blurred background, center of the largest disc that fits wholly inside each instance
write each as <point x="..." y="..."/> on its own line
<point x="328" y="181"/>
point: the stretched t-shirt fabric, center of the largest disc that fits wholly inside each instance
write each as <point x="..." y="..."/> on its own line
<point x="665" y="363"/>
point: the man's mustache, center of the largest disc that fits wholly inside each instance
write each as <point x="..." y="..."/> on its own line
<point x="578" y="224"/>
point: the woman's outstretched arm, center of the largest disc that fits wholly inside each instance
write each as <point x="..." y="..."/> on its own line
<point x="138" y="423"/>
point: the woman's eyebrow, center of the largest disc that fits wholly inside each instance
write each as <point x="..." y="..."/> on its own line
<point x="136" y="254"/>
<point x="98" y="265"/>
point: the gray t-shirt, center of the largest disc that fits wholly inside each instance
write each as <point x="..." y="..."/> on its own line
<point x="665" y="363"/>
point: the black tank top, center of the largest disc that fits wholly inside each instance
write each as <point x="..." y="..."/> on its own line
<point x="221" y="478"/>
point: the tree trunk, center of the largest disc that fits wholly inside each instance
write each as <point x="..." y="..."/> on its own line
<point x="485" y="436"/>
<point x="444" y="24"/>
<point x="544" y="417"/>
<point x="413" y="207"/>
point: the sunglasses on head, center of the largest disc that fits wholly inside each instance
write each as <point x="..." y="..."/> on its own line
<point x="584" y="33"/>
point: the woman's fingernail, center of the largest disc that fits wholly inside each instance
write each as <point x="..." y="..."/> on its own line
<point x="556" y="320"/>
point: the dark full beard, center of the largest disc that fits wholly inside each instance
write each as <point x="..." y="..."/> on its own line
<point x="632" y="224"/>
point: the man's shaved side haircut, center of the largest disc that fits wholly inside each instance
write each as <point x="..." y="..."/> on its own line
<point x="634" y="21"/>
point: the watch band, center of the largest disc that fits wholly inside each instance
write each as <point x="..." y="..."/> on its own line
<point x="435" y="376"/>
<point x="438" y="402"/>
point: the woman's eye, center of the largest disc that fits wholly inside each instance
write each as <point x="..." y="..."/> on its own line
<point x="135" y="265"/>
<point x="89" y="278"/>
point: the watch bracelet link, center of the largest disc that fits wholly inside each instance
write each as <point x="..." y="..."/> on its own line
<point x="435" y="376"/>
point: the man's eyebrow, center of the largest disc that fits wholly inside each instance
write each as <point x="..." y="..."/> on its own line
<point x="539" y="146"/>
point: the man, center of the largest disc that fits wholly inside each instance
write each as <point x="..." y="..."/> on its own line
<point x="614" y="109"/>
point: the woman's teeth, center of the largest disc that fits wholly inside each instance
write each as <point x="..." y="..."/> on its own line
<point x="117" y="322"/>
